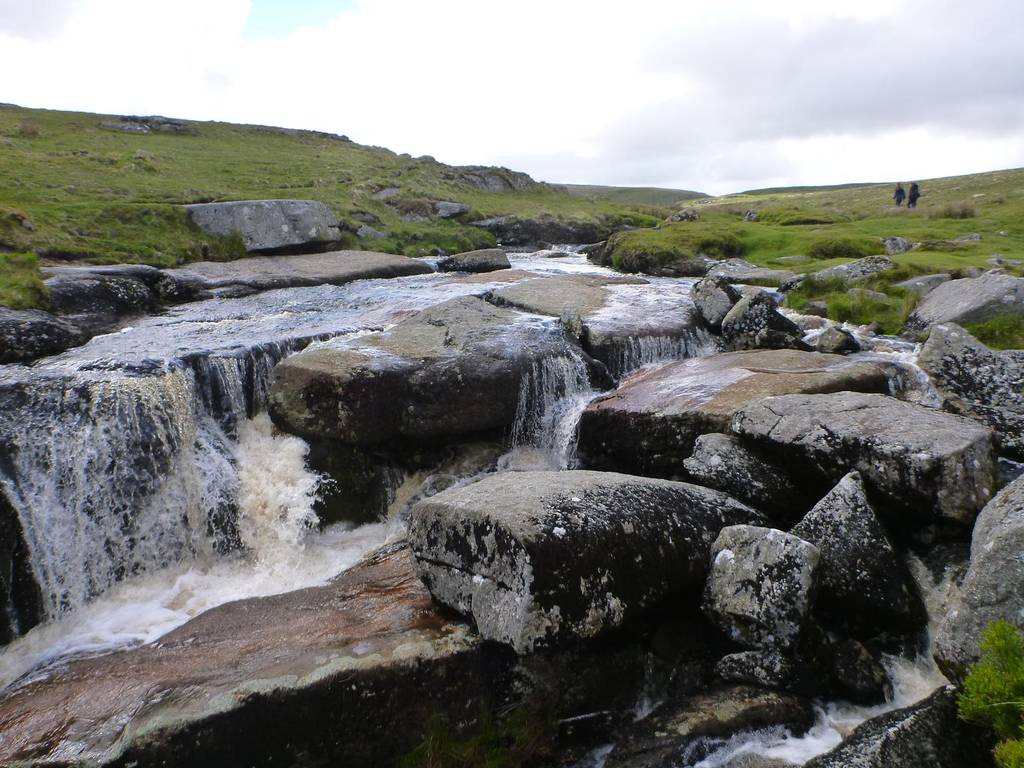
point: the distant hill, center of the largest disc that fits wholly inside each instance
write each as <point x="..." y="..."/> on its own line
<point x="665" y="198"/>
<point x="820" y="188"/>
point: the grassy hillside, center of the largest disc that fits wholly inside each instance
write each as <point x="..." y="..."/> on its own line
<point x="71" y="188"/>
<point x="665" y="198"/>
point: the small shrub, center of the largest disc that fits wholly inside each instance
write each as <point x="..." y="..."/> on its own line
<point x="841" y="248"/>
<point x="994" y="691"/>
<point x="961" y="210"/>
<point x="28" y="128"/>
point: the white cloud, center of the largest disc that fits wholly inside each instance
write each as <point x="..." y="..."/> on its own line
<point x="707" y="95"/>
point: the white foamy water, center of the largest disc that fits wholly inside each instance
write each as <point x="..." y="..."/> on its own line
<point x="283" y="551"/>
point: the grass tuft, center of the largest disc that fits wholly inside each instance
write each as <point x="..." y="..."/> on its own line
<point x="1005" y="332"/>
<point x="21" y="283"/>
<point x="960" y="210"/>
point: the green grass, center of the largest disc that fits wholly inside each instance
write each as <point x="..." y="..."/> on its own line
<point x="853" y="303"/>
<point x="69" y="188"/>
<point x="21" y="286"/>
<point x="1000" y="332"/>
<point x="652" y="196"/>
<point x="993" y="693"/>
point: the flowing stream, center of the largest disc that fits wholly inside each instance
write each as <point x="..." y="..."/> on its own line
<point x="151" y="486"/>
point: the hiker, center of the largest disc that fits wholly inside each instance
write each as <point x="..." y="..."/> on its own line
<point x="899" y="194"/>
<point x="915" y="193"/>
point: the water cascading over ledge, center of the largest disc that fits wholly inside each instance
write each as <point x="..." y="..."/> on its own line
<point x="114" y="473"/>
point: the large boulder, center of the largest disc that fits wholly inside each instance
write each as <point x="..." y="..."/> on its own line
<point x="865" y="588"/>
<point x="546" y="228"/>
<point x="540" y="558"/>
<point x="741" y="271"/>
<point x="970" y="300"/>
<point x="993" y="587"/>
<point x="755" y="323"/>
<point x="28" y="334"/>
<point x="618" y="320"/>
<point x="762" y="586"/>
<point x="264" y="273"/>
<point x="650" y="423"/>
<point x="855" y="271"/>
<point x="270" y="226"/>
<point x="95" y="301"/>
<point x="714" y="297"/>
<point x="485" y="260"/>
<point x="978" y="382"/>
<point x="726" y="464"/>
<point x="928" y="733"/>
<point x="453" y="370"/>
<point x="923" y="465"/>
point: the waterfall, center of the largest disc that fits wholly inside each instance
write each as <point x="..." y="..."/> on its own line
<point x="552" y="396"/>
<point x="632" y="352"/>
<point x="114" y="475"/>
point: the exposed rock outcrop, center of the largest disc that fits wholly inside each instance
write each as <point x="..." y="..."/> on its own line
<point x="455" y="370"/>
<point x="270" y="226"/>
<point x="650" y="423"/>
<point x="994" y="585"/>
<point x="978" y="382"/>
<point x="923" y="465"/>
<point x="540" y="558"/>
<point x="511" y="230"/>
<point x="864" y="586"/>
<point x="28" y="334"/>
<point x="762" y="586"/>
<point x="485" y="260"/>
<point x="970" y="300"/>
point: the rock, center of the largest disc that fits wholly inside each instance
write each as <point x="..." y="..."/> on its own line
<point x="855" y="271"/>
<point x="485" y="260"/>
<point x="754" y="323"/>
<point x="669" y="736"/>
<point x="837" y="341"/>
<point x="923" y="284"/>
<point x="924" y="465"/>
<point x="594" y="251"/>
<point x="687" y="214"/>
<point x="491" y="179"/>
<point x="895" y="245"/>
<point x="540" y="558"/>
<point x="761" y="586"/>
<point x="970" y="300"/>
<point x="456" y="369"/>
<point x="386" y="193"/>
<point x="750" y="215"/>
<point x="19" y="592"/>
<point x="650" y="423"/>
<point x="994" y="585"/>
<point x="447" y="209"/>
<point x="270" y="226"/>
<point x="978" y="382"/>
<point x="366" y="232"/>
<point x="29" y="334"/>
<point x="740" y="271"/>
<point x="264" y="273"/>
<point x="95" y="301"/>
<point x="724" y="463"/>
<point x="974" y="237"/>
<point x="865" y="588"/>
<point x="928" y="733"/>
<point x="863" y="294"/>
<point x="768" y="669"/>
<point x="512" y="230"/>
<point x="616" y="319"/>
<point x="714" y="297"/>
<point x="856" y="676"/>
<point x="816" y="308"/>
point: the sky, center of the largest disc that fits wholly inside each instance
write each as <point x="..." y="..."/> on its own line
<point x="713" y="96"/>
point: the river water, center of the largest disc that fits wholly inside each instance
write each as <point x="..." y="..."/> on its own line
<point x="151" y="485"/>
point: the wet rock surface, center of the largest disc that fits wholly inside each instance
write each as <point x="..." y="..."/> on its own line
<point x="865" y="588"/>
<point x="485" y="260"/>
<point x="836" y="341"/>
<point x="993" y="587"/>
<point x="857" y="676"/>
<point x="683" y="734"/>
<point x="264" y="273"/>
<point x="922" y="465"/>
<point x="755" y="323"/>
<point x="269" y="226"/>
<point x="978" y="382"/>
<point x="970" y="300"/>
<point x="650" y="423"/>
<point x="762" y="586"/>
<point x="28" y="334"/>
<point x="457" y="369"/>
<point x="926" y="734"/>
<point x="540" y="558"/>
<point x="766" y="668"/>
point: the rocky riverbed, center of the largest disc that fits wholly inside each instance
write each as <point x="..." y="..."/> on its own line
<point x="311" y="509"/>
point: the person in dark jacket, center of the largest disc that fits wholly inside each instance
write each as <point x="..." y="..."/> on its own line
<point x="915" y="192"/>
<point x="899" y="194"/>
